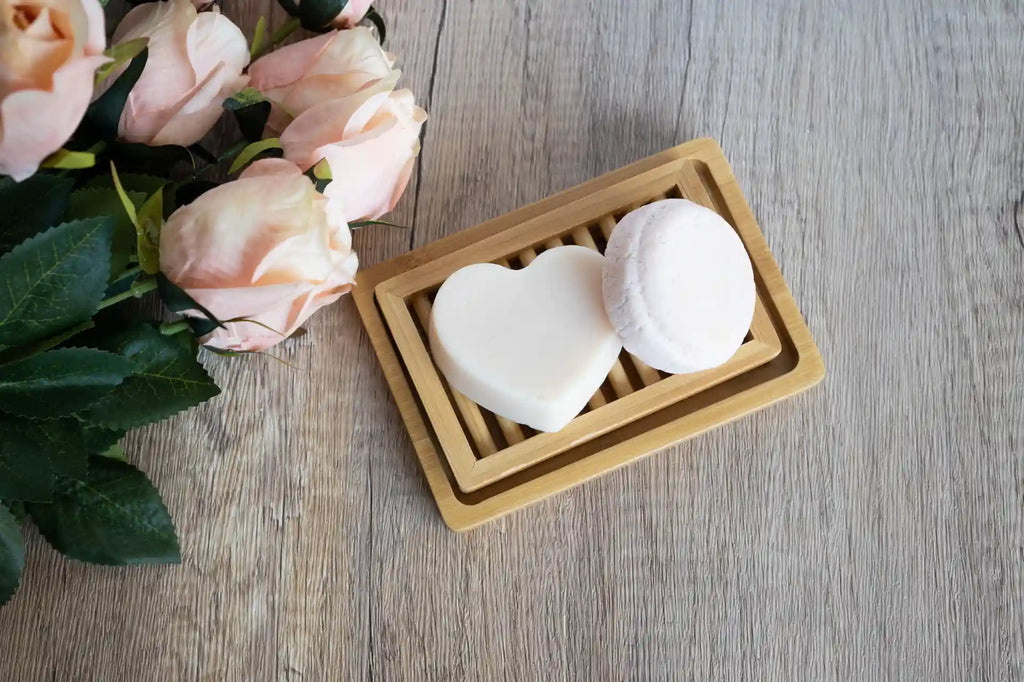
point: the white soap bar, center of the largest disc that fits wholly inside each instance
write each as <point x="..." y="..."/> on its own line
<point x="532" y="345"/>
<point x="678" y="286"/>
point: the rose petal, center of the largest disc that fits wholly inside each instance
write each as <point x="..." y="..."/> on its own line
<point x="370" y="171"/>
<point x="262" y="210"/>
<point x="326" y="123"/>
<point x="195" y="62"/>
<point x="355" y="50"/>
<point x="287" y="64"/>
<point x="198" y="113"/>
<point x="35" y="123"/>
<point x="86" y="20"/>
<point x="271" y="167"/>
<point x="168" y="75"/>
<point x="314" y="90"/>
<point x="213" y="40"/>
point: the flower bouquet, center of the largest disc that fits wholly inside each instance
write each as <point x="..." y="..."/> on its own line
<point x="109" y="194"/>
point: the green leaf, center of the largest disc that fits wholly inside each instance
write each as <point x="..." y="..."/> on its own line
<point x="45" y="344"/>
<point x="33" y="452"/>
<point x="251" y="110"/>
<point x="122" y="195"/>
<point x="59" y="382"/>
<point x="98" y="439"/>
<point x="69" y="160"/>
<point x="252" y="151"/>
<point x="120" y="54"/>
<point x="374" y="17"/>
<point x="104" y="114"/>
<point x="31" y="206"/>
<point x="179" y="301"/>
<point x="91" y="202"/>
<point x="259" y="37"/>
<point x="12" y="554"/>
<point x="166" y="379"/>
<point x="115" y="451"/>
<point x="25" y="469"/>
<point x="151" y="221"/>
<point x="17" y="508"/>
<point x="61" y="441"/>
<point x="53" y="280"/>
<point x="114" y="517"/>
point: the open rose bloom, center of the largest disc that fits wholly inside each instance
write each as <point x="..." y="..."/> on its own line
<point x="49" y="53"/>
<point x="266" y="247"/>
<point x="334" y="98"/>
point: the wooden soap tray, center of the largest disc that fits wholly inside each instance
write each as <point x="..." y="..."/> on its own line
<point x="480" y="465"/>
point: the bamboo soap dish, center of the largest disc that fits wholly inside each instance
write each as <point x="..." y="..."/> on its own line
<point x="479" y="465"/>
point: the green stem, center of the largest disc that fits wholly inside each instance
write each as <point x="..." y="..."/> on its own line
<point x="130" y="272"/>
<point x="286" y="30"/>
<point x="98" y="148"/>
<point x="136" y="291"/>
<point x="172" y="328"/>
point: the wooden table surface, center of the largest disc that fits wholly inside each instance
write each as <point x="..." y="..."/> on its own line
<point x="869" y="529"/>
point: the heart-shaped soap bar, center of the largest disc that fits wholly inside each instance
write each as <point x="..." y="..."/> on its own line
<point x="532" y="345"/>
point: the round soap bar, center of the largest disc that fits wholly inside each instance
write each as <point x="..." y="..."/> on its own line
<point x="678" y="286"/>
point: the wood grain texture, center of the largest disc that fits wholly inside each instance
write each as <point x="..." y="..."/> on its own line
<point x="870" y="529"/>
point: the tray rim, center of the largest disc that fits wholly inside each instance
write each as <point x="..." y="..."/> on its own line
<point x="807" y="370"/>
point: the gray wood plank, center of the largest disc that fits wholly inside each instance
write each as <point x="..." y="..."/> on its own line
<point x="869" y="529"/>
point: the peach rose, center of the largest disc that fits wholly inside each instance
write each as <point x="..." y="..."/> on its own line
<point x="49" y="53"/>
<point x="195" y="63"/>
<point x="334" y="99"/>
<point x="266" y="247"/>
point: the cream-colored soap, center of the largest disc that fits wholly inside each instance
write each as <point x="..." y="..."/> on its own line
<point x="532" y="345"/>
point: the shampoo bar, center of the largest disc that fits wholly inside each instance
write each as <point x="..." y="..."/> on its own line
<point x="532" y="345"/>
<point x="678" y="286"/>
